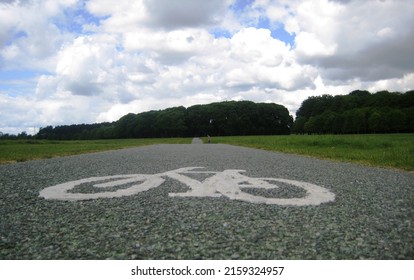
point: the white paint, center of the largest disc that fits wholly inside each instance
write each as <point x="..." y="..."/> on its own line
<point x="61" y="191"/>
<point x="229" y="183"/>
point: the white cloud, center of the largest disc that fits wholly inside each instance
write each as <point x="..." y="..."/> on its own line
<point x="403" y="84"/>
<point x="251" y="45"/>
<point x="169" y="47"/>
<point x="87" y="65"/>
<point x="115" y="57"/>
<point x="308" y="45"/>
<point x="364" y="39"/>
<point x="185" y="13"/>
<point x="16" y="114"/>
<point x="29" y="34"/>
<point x="259" y="60"/>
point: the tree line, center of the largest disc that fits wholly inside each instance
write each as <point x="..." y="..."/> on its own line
<point x="357" y="112"/>
<point x="216" y="119"/>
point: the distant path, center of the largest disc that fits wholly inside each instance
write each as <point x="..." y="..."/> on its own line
<point x="371" y="215"/>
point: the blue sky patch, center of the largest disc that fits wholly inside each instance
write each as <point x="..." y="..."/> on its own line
<point x="221" y="33"/>
<point x="75" y="19"/>
<point x="240" y="5"/>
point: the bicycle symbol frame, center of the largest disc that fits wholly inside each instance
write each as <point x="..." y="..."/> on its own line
<point x="228" y="183"/>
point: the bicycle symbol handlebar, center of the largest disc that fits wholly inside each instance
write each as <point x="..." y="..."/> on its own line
<point x="229" y="183"/>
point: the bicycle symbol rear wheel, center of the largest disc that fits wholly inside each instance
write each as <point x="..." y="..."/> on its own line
<point x="63" y="191"/>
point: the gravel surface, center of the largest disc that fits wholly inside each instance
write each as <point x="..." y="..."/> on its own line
<point x="371" y="217"/>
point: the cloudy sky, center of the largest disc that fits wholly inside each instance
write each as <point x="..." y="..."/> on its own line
<point x="87" y="61"/>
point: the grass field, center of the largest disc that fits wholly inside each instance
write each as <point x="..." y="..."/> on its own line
<point x="24" y="150"/>
<point x="386" y="150"/>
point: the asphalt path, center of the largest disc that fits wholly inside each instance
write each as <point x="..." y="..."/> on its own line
<point x="370" y="215"/>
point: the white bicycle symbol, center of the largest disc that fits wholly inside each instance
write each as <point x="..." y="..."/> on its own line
<point x="229" y="183"/>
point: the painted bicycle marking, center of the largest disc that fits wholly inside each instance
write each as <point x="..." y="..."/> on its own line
<point x="229" y="183"/>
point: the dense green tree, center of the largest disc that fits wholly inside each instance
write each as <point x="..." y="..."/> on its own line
<point x="170" y="123"/>
<point x="357" y="112"/>
<point x="222" y="118"/>
<point x="396" y="120"/>
<point x="310" y="126"/>
<point x="375" y="122"/>
<point x="328" y="121"/>
<point x="299" y="125"/>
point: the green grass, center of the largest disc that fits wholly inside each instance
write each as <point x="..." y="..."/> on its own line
<point x="24" y="150"/>
<point x="385" y="150"/>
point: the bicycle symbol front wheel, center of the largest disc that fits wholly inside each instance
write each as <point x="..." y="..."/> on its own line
<point x="315" y="195"/>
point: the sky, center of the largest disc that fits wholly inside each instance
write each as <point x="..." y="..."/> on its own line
<point x="88" y="61"/>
